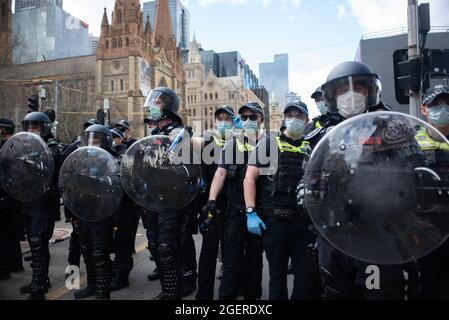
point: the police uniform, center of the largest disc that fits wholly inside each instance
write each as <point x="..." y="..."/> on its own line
<point x="212" y="237"/>
<point x="242" y="260"/>
<point x="434" y="274"/>
<point x="287" y="235"/>
<point x="163" y="239"/>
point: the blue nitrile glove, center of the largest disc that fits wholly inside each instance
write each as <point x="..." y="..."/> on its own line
<point x="253" y="224"/>
<point x="237" y="121"/>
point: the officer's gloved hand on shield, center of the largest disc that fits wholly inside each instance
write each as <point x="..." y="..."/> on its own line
<point x="371" y="192"/>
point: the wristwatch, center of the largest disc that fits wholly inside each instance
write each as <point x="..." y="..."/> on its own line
<point x="250" y="210"/>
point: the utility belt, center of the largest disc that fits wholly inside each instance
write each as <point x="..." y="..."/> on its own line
<point x="282" y="213"/>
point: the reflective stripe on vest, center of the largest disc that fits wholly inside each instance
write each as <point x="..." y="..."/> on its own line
<point x="244" y="147"/>
<point x="287" y="147"/>
<point x="219" y="142"/>
<point x="427" y="143"/>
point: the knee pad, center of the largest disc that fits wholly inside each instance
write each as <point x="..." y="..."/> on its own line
<point x="37" y="244"/>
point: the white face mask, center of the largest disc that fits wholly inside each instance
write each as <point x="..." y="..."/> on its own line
<point x="351" y="104"/>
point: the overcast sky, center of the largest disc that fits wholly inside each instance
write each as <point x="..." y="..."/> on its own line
<point x="317" y="34"/>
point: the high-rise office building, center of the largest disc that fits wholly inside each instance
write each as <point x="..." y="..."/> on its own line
<point x="274" y="77"/>
<point x="33" y="4"/>
<point x="180" y="18"/>
<point x="93" y="44"/>
<point x="44" y="31"/>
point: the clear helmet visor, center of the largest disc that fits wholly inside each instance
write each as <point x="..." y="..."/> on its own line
<point x="353" y="94"/>
<point x="93" y="139"/>
<point x="156" y="99"/>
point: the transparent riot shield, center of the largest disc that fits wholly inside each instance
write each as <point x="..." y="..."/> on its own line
<point x="373" y="194"/>
<point x="26" y="167"/>
<point x="90" y="185"/>
<point x="157" y="177"/>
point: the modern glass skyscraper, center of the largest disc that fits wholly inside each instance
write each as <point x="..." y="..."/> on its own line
<point x="274" y="77"/>
<point x="180" y="20"/>
<point x="32" y="4"/>
<point x="45" y="31"/>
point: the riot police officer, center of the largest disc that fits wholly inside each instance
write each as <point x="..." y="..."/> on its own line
<point x="126" y="222"/>
<point x="352" y="88"/>
<point x="10" y="250"/>
<point x="322" y="109"/>
<point x="211" y="219"/>
<point x="242" y="259"/>
<point x="434" y="276"/>
<point x="74" y="255"/>
<point x="39" y="215"/>
<point x="96" y="237"/>
<point x="164" y="226"/>
<point x="124" y="127"/>
<point x="287" y="228"/>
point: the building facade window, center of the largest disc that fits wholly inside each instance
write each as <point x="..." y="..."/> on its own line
<point x="112" y="85"/>
<point x="114" y="43"/>
<point x="107" y="44"/>
<point x="194" y="112"/>
<point x="216" y="95"/>
<point x="127" y="41"/>
<point x="122" y="85"/>
<point x="211" y="96"/>
<point x="205" y="96"/>
<point x="119" y="16"/>
<point x="120" y="42"/>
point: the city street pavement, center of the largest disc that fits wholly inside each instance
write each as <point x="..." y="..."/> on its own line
<point x="140" y="288"/>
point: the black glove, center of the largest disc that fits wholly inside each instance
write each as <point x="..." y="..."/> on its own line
<point x="208" y="214"/>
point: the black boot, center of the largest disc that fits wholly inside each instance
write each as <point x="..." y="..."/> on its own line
<point x="153" y="276"/>
<point x="27" y="288"/>
<point x="36" y="296"/>
<point x="87" y="292"/>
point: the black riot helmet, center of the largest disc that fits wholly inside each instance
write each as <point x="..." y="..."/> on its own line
<point x="351" y="88"/>
<point x="162" y="103"/>
<point x="89" y="123"/>
<point x="40" y="119"/>
<point x="7" y="125"/>
<point x="97" y="135"/>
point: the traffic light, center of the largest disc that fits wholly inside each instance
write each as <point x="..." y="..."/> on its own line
<point x="101" y="116"/>
<point x="33" y="102"/>
<point x="408" y="75"/>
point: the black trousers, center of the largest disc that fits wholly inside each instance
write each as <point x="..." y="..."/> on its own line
<point x="242" y="261"/>
<point x="39" y="225"/>
<point x="74" y="245"/>
<point x="285" y="239"/>
<point x="163" y="242"/>
<point x="95" y="243"/>
<point x="125" y="239"/>
<point x="187" y="248"/>
<point x="10" y="236"/>
<point x="208" y="259"/>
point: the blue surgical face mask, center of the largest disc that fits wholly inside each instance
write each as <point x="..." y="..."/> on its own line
<point x="155" y="113"/>
<point x="322" y="107"/>
<point x="223" y="127"/>
<point x="439" y="115"/>
<point x="250" y="125"/>
<point x="295" y="126"/>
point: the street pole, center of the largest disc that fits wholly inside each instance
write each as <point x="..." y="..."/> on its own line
<point x="56" y="107"/>
<point x="414" y="51"/>
<point x="106" y="108"/>
<point x="43" y="96"/>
